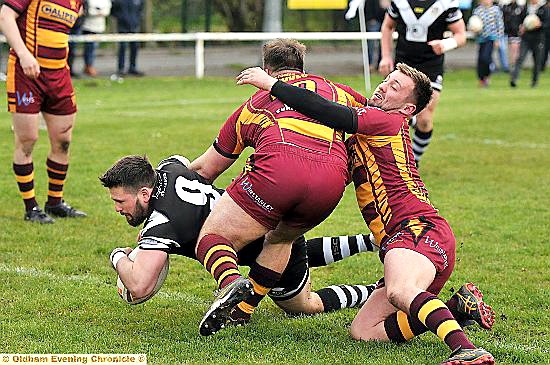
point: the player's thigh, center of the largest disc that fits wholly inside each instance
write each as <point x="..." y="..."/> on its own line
<point x="406" y="273"/>
<point x="368" y="323"/>
<point x="25" y="127"/>
<point x="230" y="221"/>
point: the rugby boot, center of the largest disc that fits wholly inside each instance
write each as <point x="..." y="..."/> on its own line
<point x="63" y="210"/>
<point x="37" y="215"/>
<point x="462" y="356"/>
<point x="471" y="305"/>
<point x="219" y="314"/>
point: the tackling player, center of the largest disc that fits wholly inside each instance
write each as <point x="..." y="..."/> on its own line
<point x="420" y="26"/>
<point x="174" y="203"/>
<point x="417" y="245"/>
<point x="291" y="183"/>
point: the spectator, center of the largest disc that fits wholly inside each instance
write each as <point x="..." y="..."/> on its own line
<point x="128" y="15"/>
<point x="532" y="40"/>
<point x="502" y="47"/>
<point x="493" y="29"/>
<point x="511" y="13"/>
<point x="71" y="54"/>
<point x="94" y="23"/>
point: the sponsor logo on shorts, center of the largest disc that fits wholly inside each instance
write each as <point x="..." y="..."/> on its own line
<point x="247" y="188"/>
<point x="435" y="245"/>
<point x="23" y="99"/>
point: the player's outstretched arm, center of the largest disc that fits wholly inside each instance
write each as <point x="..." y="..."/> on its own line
<point x="329" y="113"/>
<point x="458" y="39"/>
<point x="140" y="275"/>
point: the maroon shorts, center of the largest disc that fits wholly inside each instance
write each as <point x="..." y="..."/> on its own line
<point x="432" y="237"/>
<point x="287" y="184"/>
<point x="52" y="92"/>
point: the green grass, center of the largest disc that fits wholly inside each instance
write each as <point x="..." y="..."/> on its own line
<point x="487" y="171"/>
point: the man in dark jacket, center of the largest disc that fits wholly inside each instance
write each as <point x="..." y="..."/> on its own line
<point x="512" y="14"/>
<point x="128" y="15"/>
<point x="532" y="40"/>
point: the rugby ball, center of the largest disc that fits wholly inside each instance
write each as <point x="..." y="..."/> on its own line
<point x="531" y="22"/>
<point x="475" y="24"/>
<point x="125" y="294"/>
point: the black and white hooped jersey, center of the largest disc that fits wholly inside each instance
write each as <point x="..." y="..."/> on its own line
<point x="421" y="21"/>
<point x="180" y="202"/>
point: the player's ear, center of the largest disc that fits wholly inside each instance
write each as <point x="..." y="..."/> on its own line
<point x="408" y="109"/>
<point x="145" y="194"/>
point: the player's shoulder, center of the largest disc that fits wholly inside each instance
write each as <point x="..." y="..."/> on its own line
<point x="177" y="165"/>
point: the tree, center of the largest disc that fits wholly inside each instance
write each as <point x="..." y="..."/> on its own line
<point x="241" y="15"/>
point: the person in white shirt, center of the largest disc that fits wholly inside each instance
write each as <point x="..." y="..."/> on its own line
<point x="94" y="22"/>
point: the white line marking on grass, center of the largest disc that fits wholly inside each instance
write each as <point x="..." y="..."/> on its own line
<point x="32" y="272"/>
<point x="496" y="142"/>
<point x="172" y="102"/>
<point x="520" y="347"/>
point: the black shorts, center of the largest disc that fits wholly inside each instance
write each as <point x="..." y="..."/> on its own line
<point x="296" y="274"/>
<point x="433" y="71"/>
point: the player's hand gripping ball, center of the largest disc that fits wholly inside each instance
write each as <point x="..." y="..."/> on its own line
<point x="125" y="293"/>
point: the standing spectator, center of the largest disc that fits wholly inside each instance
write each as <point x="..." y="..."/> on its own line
<point x="493" y="29"/>
<point x="94" y="23"/>
<point x="374" y="14"/>
<point x="532" y="40"/>
<point x="511" y="13"/>
<point x="39" y="81"/>
<point x="128" y="15"/>
<point x="546" y="27"/>
<point x="71" y="55"/>
<point x="502" y="47"/>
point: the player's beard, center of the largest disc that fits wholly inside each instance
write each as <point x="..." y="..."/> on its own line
<point x="138" y="216"/>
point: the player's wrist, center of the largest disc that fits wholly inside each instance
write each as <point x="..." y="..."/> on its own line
<point x="449" y="44"/>
<point x="116" y="255"/>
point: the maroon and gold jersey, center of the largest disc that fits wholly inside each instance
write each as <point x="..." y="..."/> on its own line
<point x="44" y="27"/>
<point x="264" y="120"/>
<point x="387" y="184"/>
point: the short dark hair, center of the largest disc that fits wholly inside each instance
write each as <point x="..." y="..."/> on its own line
<point x="284" y="54"/>
<point x="130" y="172"/>
<point x="422" y="92"/>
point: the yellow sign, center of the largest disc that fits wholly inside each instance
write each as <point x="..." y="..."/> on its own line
<point x="317" y="4"/>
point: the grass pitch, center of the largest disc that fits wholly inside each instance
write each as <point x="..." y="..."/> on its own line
<point x="487" y="172"/>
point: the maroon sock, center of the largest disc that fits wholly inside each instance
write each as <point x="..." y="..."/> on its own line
<point x="219" y="258"/>
<point x="24" y="174"/>
<point x="56" y="178"/>
<point x="435" y="315"/>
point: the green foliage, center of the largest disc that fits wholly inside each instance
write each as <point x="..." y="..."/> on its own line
<point x="487" y="171"/>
